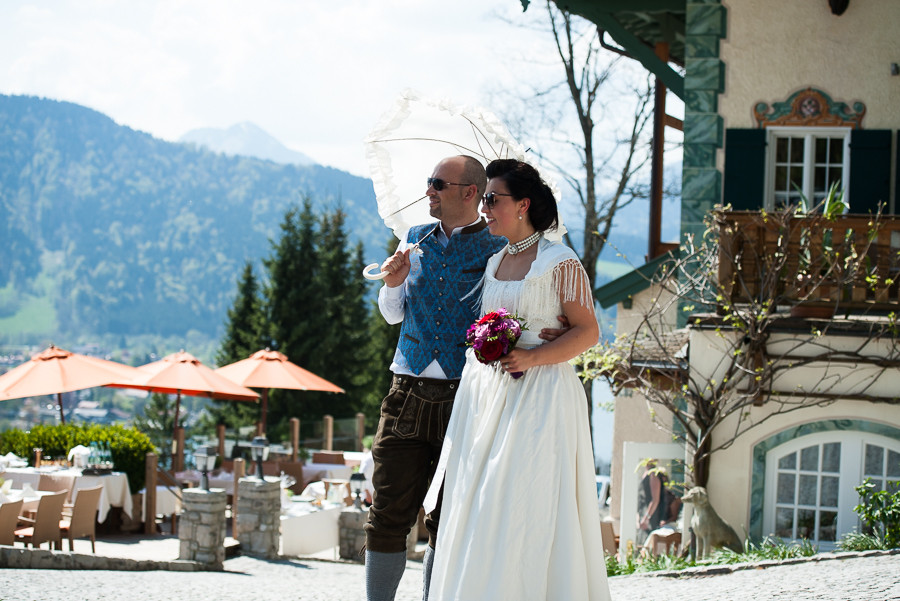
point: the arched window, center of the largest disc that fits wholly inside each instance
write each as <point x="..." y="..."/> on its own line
<point x="810" y="483"/>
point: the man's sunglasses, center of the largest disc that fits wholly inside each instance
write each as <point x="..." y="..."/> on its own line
<point x="439" y="184"/>
<point x="490" y="199"/>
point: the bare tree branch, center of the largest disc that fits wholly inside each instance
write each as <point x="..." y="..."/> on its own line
<point x="759" y="362"/>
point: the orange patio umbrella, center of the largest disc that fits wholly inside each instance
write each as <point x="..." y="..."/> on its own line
<point x="182" y="373"/>
<point x="270" y="369"/>
<point x="55" y="371"/>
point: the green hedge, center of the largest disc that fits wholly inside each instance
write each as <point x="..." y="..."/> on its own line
<point x="129" y="446"/>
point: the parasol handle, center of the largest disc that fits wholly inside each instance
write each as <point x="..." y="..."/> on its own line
<point x="380" y="275"/>
<point x="374" y="276"/>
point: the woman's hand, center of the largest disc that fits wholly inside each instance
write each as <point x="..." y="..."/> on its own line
<point x="518" y="360"/>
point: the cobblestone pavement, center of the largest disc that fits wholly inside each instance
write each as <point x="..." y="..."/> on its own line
<point x="866" y="578"/>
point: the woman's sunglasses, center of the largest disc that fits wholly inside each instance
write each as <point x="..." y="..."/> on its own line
<point x="490" y="199"/>
<point x="439" y="184"/>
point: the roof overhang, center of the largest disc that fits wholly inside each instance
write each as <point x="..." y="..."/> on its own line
<point x="637" y="26"/>
<point x="634" y="281"/>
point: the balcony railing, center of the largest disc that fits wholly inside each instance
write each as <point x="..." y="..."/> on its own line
<point x="850" y="264"/>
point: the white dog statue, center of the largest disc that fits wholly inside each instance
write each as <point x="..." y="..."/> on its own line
<point x="711" y="530"/>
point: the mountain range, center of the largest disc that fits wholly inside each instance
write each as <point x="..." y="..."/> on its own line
<point x="109" y="231"/>
<point x="245" y="139"/>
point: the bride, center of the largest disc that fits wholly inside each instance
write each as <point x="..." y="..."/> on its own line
<point x="520" y="517"/>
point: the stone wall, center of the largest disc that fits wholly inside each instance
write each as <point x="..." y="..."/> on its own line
<point x="259" y="517"/>
<point x="201" y="531"/>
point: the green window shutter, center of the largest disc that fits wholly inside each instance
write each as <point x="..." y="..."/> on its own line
<point x="870" y="169"/>
<point x="745" y="169"/>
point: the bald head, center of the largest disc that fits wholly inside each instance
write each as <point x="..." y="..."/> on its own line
<point x="464" y="181"/>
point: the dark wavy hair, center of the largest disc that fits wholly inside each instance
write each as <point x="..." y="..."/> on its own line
<point x="524" y="181"/>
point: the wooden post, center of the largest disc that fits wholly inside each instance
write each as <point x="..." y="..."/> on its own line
<point x="295" y="439"/>
<point x="656" y="159"/>
<point x="220" y="435"/>
<point x="328" y="434"/>
<point x="178" y="457"/>
<point x="238" y="474"/>
<point x="150" y="464"/>
<point x="37" y="457"/>
<point x="360" y="430"/>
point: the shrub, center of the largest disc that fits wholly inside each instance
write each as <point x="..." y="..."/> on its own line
<point x="857" y="541"/>
<point x="129" y="446"/>
<point x="879" y="511"/>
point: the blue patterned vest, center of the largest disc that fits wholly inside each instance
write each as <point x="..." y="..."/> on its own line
<point x="435" y="317"/>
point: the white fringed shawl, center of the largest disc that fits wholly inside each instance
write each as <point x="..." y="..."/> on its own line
<point x="555" y="277"/>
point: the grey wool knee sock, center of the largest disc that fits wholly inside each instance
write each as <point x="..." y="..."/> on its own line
<point x="427" y="562"/>
<point x="383" y="573"/>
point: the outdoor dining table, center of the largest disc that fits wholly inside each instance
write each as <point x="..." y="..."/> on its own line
<point x="307" y="528"/>
<point x="115" y="493"/>
<point x="168" y="501"/>
<point x="30" y="498"/>
<point x="225" y="480"/>
<point x="326" y="470"/>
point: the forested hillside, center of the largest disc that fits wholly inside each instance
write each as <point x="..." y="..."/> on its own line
<point x="107" y="230"/>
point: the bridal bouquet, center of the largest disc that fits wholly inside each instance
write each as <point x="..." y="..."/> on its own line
<point x="494" y="335"/>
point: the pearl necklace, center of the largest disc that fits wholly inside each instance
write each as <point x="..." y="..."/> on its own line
<point x="517" y="247"/>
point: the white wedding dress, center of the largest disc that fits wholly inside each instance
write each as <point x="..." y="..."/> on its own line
<point x="520" y="518"/>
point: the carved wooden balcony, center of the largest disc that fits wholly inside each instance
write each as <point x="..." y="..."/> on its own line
<point x="848" y="265"/>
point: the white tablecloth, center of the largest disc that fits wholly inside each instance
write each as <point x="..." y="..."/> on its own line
<point x="311" y="471"/>
<point x="29" y="498"/>
<point x="115" y="487"/>
<point x="224" y="480"/>
<point x="167" y="502"/>
<point x="305" y="530"/>
<point x="326" y="470"/>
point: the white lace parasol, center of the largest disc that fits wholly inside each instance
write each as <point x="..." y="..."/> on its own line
<point x="413" y="136"/>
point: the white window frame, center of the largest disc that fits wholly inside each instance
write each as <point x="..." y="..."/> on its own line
<point x="809" y="134"/>
<point x="851" y="475"/>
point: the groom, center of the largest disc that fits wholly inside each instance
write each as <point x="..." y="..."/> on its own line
<point x="424" y="291"/>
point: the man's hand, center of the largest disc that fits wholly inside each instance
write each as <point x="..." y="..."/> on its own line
<point x="397" y="267"/>
<point x="549" y="334"/>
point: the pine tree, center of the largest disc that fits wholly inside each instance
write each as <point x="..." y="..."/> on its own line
<point x="157" y="423"/>
<point x="245" y="330"/>
<point x="344" y="331"/>
<point x="294" y="309"/>
<point x="245" y="333"/>
<point x="382" y="344"/>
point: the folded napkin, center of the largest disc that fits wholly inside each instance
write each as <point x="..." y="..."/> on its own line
<point x="27" y="490"/>
<point x="78" y="450"/>
<point x="14" y="461"/>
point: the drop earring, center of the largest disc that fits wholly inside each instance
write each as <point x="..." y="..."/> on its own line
<point x="520" y="218"/>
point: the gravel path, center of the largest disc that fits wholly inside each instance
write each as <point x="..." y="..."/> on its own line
<point x="856" y="578"/>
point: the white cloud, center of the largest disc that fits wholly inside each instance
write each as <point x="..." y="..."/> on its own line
<point x="315" y="74"/>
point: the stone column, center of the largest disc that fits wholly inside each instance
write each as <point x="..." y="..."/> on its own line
<point x="351" y="535"/>
<point x="202" y="528"/>
<point x="259" y="516"/>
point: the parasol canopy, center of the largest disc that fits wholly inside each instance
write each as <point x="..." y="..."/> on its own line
<point x="412" y="137"/>
<point x="270" y="369"/>
<point x="55" y="371"/>
<point x="182" y="373"/>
